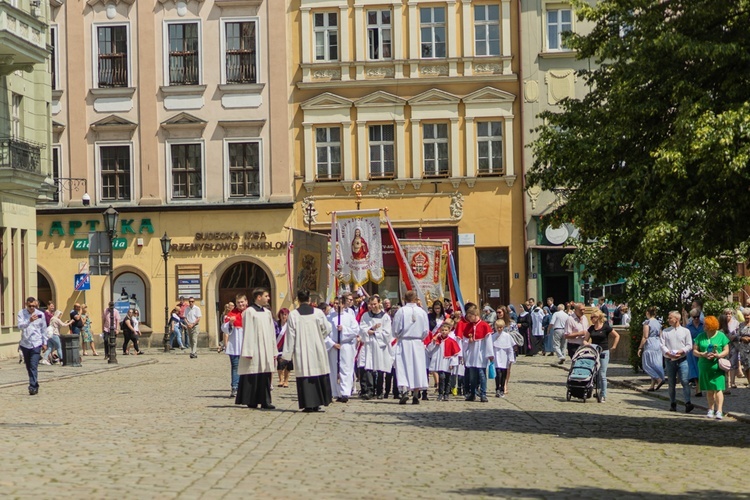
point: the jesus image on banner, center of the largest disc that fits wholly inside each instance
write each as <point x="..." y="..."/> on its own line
<point x="360" y="250"/>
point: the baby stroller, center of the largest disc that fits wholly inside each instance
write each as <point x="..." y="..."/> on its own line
<point x="583" y="377"/>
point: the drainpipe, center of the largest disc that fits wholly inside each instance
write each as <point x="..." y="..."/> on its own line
<point x="519" y="51"/>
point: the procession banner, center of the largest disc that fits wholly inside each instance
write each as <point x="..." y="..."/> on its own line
<point x="426" y="259"/>
<point x="333" y="284"/>
<point x="407" y="276"/>
<point x="309" y="254"/>
<point x="360" y="245"/>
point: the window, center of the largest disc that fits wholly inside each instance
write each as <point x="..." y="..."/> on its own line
<point x="115" y="172"/>
<point x="184" y="63"/>
<point x="326" y="36"/>
<point x="53" y="56"/>
<point x="435" y="142"/>
<point x="240" y="47"/>
<point x="15" y="118"/>
<point x="113" y="56"/>
<point x="187" y="171"/>
<point x="328" y="152"/>
<point x="381" y="151"/>
<point x="558" y="22"/>
<point x="486" y="30"/>
<point x="490" y="147"/>
<point x="432" y="27"/>
<point x="244" y="169"/>
<point x="379" y="34"/>
<point x="56" y="172"/>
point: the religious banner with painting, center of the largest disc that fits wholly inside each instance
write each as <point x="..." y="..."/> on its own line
<point x="309" y="257"/>
<point x="360" y="247"/>
<point x="428" y="262"/>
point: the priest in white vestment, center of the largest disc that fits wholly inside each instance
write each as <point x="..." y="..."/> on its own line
<point x="258" y="356"/>
<point x="410" y="327"/>
<point x="342" y="349"/>
<point x="375" y="332"/>
<point x="306" y="331"/>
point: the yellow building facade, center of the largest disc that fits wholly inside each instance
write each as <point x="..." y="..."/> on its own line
<point x="417" y="102"/>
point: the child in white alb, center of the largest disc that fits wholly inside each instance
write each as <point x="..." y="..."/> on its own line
<point x="444" y="350"/>
<point x="503" y="343"/>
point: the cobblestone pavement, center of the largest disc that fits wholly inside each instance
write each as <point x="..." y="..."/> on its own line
<point x="167" y="429"/>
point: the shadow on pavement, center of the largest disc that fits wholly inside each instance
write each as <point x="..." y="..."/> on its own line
<point x="576" y="423"/>
<point x="591" y="492"/>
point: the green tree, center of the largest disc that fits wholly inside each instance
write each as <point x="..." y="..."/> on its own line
<point x="653" y="160"/>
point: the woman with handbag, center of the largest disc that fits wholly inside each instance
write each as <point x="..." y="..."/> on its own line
<point x="711" y="347"/>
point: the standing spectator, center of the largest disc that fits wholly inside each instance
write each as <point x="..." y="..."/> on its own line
<point x="599" y="333"/>
<point x="174" y="328"/>
<point x="182" y="306"/>
<point x="192" y="320"/>
<point x="676" y="345"/>
<point x="87" y="337"/>
<point x="744" y="344"/>
<point x="50" y="311"/>
<point x="575" y="329"/>
<point x="650" y="350"/>
<point x="548" y="348"/>
<point x="603" y="308"/>
<point x="233" y="334"/>
<point x="304" y="343"/>
<point x="228" y="308"/>
<point x="695" y="326"/>
<point x="513" y="313"/>
<point x="709" y="347"/>
<point x="76" y="324"/>
<point x="283" y="366"/>
<point x="53" y="338"/>
<point x="731" y="327"/>
<point x="108" y="327"/>
<point x="537" y="329"/>
<point x="625" y="319"/>
<point x="130" y="332"/>
<point x="488" y="315"/>
<point x="557" y="327"/>
<point x="33" y="328"/>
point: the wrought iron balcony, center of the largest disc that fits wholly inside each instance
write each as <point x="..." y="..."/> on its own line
<point x="20" y="155"/>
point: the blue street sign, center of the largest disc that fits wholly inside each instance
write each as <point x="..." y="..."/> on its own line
<point x="82" y="282"/>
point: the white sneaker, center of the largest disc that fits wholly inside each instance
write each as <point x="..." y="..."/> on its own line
<point x="710" y="414"/>
<point x="718" y="415"/>
<point x="45" y="362"/>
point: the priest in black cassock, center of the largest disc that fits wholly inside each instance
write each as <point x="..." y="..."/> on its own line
<point x="306" y="331"/>
<point x="258" y="357"/>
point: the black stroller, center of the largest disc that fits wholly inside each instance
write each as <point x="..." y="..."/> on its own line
<point x="583" y="377"/>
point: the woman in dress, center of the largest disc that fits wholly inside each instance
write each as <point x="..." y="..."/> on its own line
<point x="283" y="366"/>
<point x="87" y="336"/>
<point x="599" y="333"/>
<point x="744" y="344"/>
<point x="650" y="350"/>
<point x="731" y="328"/>
<point x="709" y="347"/>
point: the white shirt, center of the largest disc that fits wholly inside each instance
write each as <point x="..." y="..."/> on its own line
<point x="537" y="316"/>
<point x="676" y="341"/>
<point x="576" y="325"/>
<point x="192" y="314"/>
<point x="559" y="320"/>
<point x="33" y="333"/>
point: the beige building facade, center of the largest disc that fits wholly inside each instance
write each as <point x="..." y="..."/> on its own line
<point x="175" y="113"/>
<point x="24" y="153"/>
<point x="418" y="103"/>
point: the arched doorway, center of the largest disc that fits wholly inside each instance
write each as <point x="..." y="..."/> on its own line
<point x="242" y="277"/>
<point x="130" y="286"/>
<point x="44" y="292"/>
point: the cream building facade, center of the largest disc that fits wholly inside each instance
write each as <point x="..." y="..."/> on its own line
<point x="418" y="103"/>
<point x="549" y="76"/>
<point x="175" y="113"/>
<point x="24" y="153"/>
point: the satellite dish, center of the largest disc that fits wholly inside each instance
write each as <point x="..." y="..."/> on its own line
<point x="556" y="235"/>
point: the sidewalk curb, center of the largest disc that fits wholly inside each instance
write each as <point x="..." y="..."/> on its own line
<point x="629" y="385"/>
<point x="92" y="372"/>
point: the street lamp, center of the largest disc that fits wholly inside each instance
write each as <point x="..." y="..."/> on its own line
<point x="166" y="241"/>
<point x="110" y="225"/>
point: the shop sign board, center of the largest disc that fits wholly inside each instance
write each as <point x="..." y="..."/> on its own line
<point x="189" y="280"/>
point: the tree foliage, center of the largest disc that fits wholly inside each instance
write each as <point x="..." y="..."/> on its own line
<point x="653" y="160"/>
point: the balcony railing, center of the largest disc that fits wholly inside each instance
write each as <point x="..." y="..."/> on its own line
<point x="20" y="155"/>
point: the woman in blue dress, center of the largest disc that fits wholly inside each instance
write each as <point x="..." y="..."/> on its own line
<point x="695" y="325"/>
<point x="650" y="350"/>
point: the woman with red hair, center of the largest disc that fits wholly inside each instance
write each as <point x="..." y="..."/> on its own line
<point x="709" y="347"/>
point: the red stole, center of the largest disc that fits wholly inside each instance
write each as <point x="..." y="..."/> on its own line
<point x="235" y="317"/>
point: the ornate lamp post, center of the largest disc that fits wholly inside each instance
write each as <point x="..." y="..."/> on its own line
<point x="166" y="241"/>
<point x="110" y="225"/>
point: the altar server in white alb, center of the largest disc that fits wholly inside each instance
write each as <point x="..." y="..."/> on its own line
<point x="410" y="327"/>
<point x="306" y="331"/>
<point x="444" y="353"/>
<point x="376" y="335"/>
<point x="342" y="349"/>
<point x="258" y="356"/>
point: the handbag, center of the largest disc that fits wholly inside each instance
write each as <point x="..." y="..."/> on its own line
<point x="492" y="373"/>
<point x="725" y="364"/>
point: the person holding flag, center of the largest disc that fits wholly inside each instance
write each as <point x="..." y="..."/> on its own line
<point x="410" y="327"/>
<point x="342" y="349"/>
